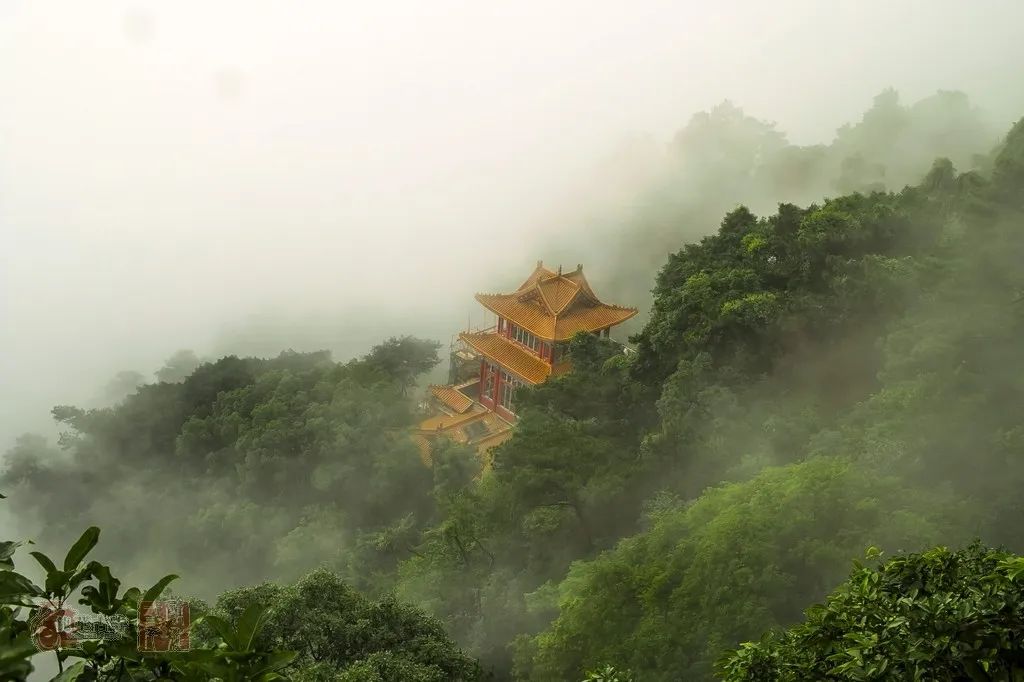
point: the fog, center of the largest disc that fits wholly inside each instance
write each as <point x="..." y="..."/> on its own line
<point x="243" y="177"/>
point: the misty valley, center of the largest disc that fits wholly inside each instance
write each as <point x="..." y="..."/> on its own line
<point x="804" y="463"/>
<point x="372" y="342"/>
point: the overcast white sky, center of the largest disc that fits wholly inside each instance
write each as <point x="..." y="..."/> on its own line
<point x="169" y="169"/>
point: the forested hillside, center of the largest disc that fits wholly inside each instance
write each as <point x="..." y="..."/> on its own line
<point x="831" y="376"/>
<point x="651" y="197"/>
<point x="855" y="369"/>
<point x="288" y="462"/>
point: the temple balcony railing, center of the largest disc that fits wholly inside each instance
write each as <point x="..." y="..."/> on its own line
<point x="457" y="345"/>
<point x="463" y="359"/>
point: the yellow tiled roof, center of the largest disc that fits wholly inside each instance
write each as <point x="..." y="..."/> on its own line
<point x="555" y="306"/>
<point x="494" y="441"/>
<point x="443" y="422"/>
<point x="492" y="430"/>
<point x="452" y="398"/>
<point x="424" y="447"/>
<point x="558" y="292"/>
<point x="509" y="355"/>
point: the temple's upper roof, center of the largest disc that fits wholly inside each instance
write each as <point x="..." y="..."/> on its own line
<point x="555" y="306"/>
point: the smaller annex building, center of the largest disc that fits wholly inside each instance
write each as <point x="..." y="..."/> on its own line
<point x="526" y="345"/>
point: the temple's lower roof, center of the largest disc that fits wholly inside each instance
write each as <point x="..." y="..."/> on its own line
<point x="477" y="427"/>
<point x="452" y="398"/>
<point x="508" y="354"/>
<point x="443" y="421"/>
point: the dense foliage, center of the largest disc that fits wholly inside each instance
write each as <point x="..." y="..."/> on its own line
<point x="317" y="630"/>
<point x="291" y="462"/>
<point x="740" y="559"/>
<point x="939" y="615"/>
<point x="339" y="634"/>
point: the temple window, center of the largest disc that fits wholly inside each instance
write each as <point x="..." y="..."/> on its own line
<point x="509" y="384"/>
<point x="525" y="338"/>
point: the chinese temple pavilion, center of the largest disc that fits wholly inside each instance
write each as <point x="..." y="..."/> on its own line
<point x="526" y="345"/>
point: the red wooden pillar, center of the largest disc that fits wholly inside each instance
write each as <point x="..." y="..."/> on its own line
<point x="497" y="387"/>
<point x="483" y="378"/>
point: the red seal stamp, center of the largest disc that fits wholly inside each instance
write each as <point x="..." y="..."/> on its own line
<point x="164" y="626"/>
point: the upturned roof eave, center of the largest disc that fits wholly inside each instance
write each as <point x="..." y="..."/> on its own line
<point x="529" y="368"/>
<point x="554" y="335"/>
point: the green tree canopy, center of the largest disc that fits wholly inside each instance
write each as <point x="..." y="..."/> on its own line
<point x="939" y="615"/>
<point x="341" y="635"/>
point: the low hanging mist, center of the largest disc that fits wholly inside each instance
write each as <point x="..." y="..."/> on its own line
<point x="237" y="179"/>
